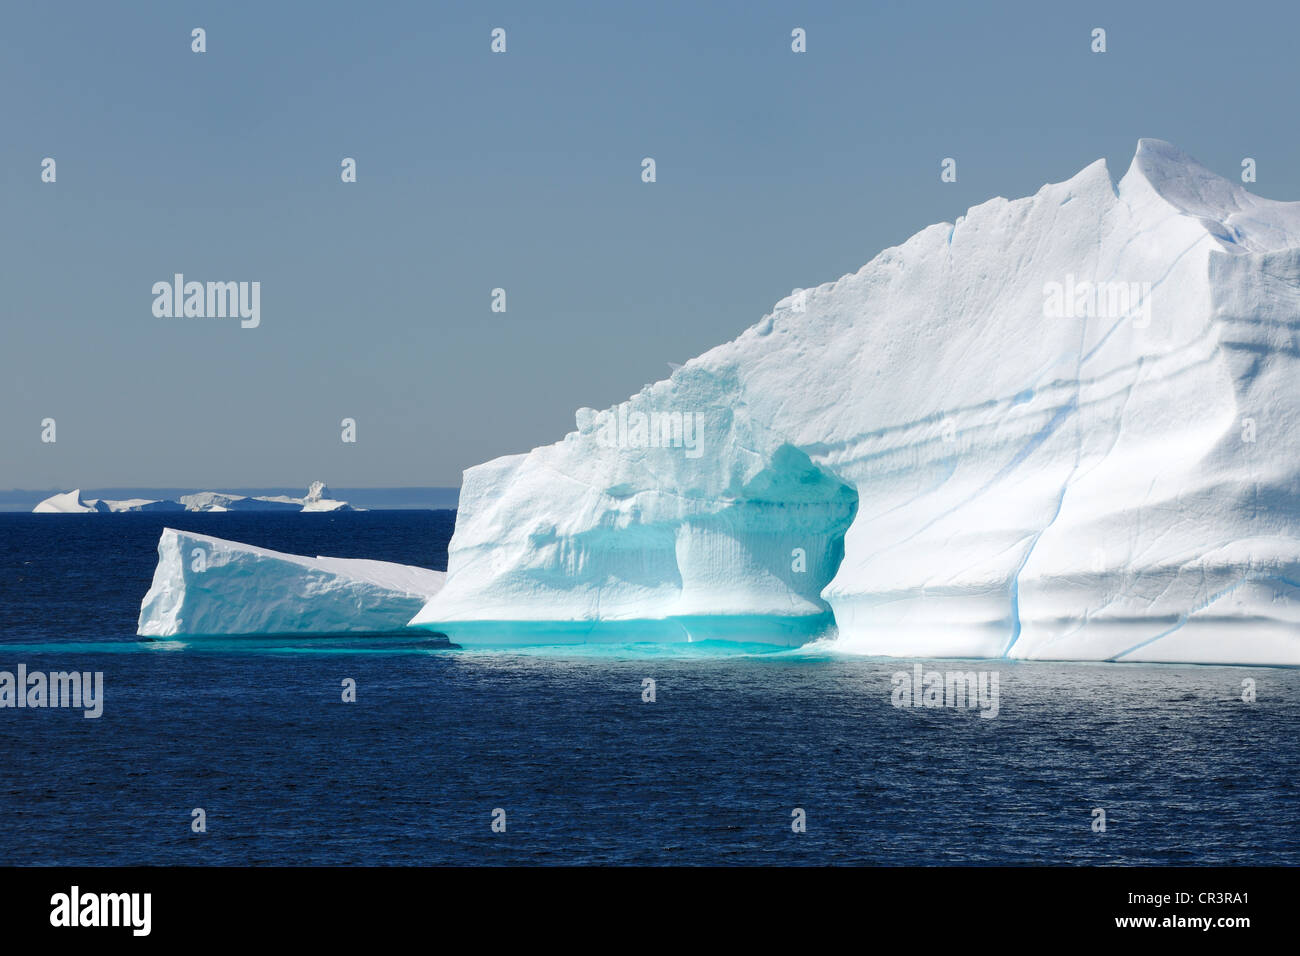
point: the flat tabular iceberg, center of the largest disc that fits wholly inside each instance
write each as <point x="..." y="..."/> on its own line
<point x="316" y="499"/>
<point x="207" y="586"/>
<point x="1063" y="427"/>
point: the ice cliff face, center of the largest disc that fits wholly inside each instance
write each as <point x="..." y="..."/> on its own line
<point x="1064" y="427"/>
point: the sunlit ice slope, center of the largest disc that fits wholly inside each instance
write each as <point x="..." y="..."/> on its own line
<point x="1061" y="427"/>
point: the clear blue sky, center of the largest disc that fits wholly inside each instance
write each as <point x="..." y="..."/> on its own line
<point x="775" y="170"/>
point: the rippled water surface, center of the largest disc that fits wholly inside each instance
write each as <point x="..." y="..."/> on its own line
<point x="256" y="734"/>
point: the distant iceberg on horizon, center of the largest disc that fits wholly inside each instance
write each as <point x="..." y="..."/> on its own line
<point x="1062" y="427"/>
<point x="72" y="503"/>
<point x="316" y="499"/>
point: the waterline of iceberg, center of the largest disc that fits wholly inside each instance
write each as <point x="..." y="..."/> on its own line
<point x="770" y="632"/>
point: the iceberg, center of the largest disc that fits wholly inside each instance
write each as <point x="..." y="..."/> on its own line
<point x="142" y="504"/>
<point x="206" y="586"/>
<point x="221" y="501"/>
<point x="1061" y="427"/>
<point x="71" y="502"/>
<point x="316" y="499"/>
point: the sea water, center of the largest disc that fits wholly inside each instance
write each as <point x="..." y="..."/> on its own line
<point x="675" y="754"/>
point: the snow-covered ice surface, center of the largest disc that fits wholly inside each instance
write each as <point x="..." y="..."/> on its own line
<point x="1062" y="428"/>
<point x="208" y="586"/>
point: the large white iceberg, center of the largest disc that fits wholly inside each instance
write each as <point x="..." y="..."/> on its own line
<point x="1063" y="427"/>
<point x="208" y="586"/>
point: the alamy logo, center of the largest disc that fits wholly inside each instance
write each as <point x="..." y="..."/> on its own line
<point x="81" y="689"/>
<point x="75" y="908"/>
<point x="620" y="427"/>
<point x="958" y="689"/>
<point x="209" y="300"/>
<point x="1106" y="300"/>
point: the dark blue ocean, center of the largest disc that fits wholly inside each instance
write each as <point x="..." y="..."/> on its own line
<point x="711" y="772"/>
